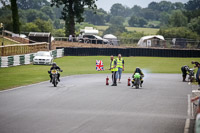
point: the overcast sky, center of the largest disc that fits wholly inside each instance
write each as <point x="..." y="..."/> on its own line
<point x="106" y="4"/>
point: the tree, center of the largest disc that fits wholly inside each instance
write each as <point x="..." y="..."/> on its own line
<point x="96" y="17"/>
<point x="57" y="24"/>
<point x="137" y="21"/>
<point x="179" y="32"/>
<point x="72" y="12"/>
<point x="178" y="6"/>
<point x="48" y="11"/>
<point x="59" y="33"/>
<point x="115" y="29"/>
<point x="32" y="4"/>
<point x="178" y="19"/>
<point x="117" y="10"/>
<point x="194" y="25"/>
<point x="142" y="22"/>
<point x="164" y="18"/>
<point x="193" y="5"/>
<point x="15" y="17"/>
<point x="30" y="27"/>
<point x="150" y="14"/>
<point x="33" y="14"/>
<point x="117" y="20"/>
<point x="137" y="10"/>
<point x="165" y="6"/>
<point x="44" y="26"/>
<point x="38" y="26"/>
<point x="153" y="5"/>
<point x="133" y="21"/>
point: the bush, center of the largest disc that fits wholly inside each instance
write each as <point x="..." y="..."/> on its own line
<point x="178" y="32"/>
<point x="115" y="29"/>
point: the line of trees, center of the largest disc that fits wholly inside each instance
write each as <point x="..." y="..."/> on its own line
<point x="62" y="17"/>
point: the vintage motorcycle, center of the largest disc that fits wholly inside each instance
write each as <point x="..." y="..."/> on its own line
<point x="191" y="75"/>
<point x="54" y="74"/>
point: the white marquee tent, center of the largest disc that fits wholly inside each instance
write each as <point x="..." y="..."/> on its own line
<point x="110" y="37"/>
<point x="147" y="41"/>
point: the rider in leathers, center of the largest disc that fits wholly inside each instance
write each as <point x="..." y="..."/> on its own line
<point x="54" y="66"/>
<point x="138" y="70"/>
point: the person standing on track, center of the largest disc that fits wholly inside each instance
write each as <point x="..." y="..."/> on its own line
<point x="120" y="66"/>
<point x="184" y="70"/>
<point x="114" y="69"/>
<point x="197" y="64"/>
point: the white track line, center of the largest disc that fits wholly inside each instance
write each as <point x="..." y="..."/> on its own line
<point x="187" y="122"/>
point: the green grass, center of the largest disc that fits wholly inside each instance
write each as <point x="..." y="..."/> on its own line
<point x="73" y="65"/>
<point x="6" y="41"/>
<point x="151" y="31"/>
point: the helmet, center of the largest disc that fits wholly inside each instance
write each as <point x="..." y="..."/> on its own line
<point x="54" y="64"/>
<point x="137" y="70"/>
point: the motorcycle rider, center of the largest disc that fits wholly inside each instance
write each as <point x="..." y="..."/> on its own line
<point x="138" y="70"/>
<point x="54" y="66"/>
<point x="184" y="70"/>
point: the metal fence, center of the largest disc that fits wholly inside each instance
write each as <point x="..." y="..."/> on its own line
<point x="180" y="43"/>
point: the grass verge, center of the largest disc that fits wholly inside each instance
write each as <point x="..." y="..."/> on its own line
<point x="72" y="65"/>
<point x="151" y="31"/>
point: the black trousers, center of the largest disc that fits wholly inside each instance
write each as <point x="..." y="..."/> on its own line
<point x="114" y="77"/>
<point x="184" y="72"/>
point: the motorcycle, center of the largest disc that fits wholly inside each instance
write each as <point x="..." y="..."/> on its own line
<point x="54" y="74"/>
<point x="136" y="82"/>
<point x="191" y="75"/>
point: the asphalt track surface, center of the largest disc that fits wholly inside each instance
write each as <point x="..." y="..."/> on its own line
<point x="84" y="104"/>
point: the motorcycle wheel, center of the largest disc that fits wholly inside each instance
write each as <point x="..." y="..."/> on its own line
<point x="54" y="82"/>
<point x="137" y="86"/>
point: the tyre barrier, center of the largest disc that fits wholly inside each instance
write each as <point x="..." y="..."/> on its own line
<point x="16" y="60"/>
<point x="126" y="52"/>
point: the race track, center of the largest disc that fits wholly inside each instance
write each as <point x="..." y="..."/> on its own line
<point x="84" y="104"/>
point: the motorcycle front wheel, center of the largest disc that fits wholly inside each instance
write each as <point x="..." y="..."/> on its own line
<point x="54" y="82"/>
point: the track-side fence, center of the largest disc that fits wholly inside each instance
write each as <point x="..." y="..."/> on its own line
<point x="153" y="52"/>
<point x="18" y="49"/>
<point x="16" y="60"/>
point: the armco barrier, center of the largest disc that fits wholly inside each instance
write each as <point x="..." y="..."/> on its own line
<point x="7" y="61"/>
<point x="131" y="52"/>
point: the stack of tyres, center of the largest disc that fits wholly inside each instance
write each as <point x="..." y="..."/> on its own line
<point x="31" y="57"/>
<point x="4" y="61"/>
<point x="10" y="60"/>
<point x="54" y="53"/>
<point x="63" y="52"/>
<point x="22" y="59"/>
<point x="27" y="59"/>
<point x="59" y="53"/>
<point x="16" y="60"/>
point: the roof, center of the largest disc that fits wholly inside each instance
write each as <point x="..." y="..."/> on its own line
<point x="39" y="34"/>
<point x="89" y="31"/>
<point x="150" y="37"/>
<point x="109" y="36"/>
